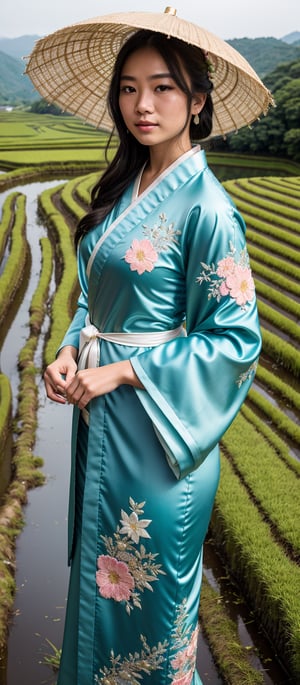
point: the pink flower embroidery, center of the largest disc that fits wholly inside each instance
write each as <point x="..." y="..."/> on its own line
<point x="192" y="646"/>
<point x="179" y="661"/>
<point x="225" y="266"/>
<point x="241" y="285"/>
<point x="223" y="290"/>
<point x="231" y="276"/>
<point x="113" y="579"/>
<point x="141" y="256"/>
<point x="185" y="679"/>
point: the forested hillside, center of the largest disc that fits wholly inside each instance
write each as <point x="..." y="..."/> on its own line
<point x="279" y="133"/>
<point x="15" y="88"/>
<point x="264" y="54"/>
<point x="18" y="47"/>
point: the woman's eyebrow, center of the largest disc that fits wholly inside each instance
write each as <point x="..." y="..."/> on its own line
<point x="152" y="77"/>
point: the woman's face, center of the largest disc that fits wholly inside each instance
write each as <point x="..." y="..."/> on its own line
<point x="152" y="105"/>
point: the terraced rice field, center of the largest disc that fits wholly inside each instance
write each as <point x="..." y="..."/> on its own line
<point x="256" y="521"/>
<point x="259" y="494"/>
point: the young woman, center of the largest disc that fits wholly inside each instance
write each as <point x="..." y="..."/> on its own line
<point x="157" y="361"/>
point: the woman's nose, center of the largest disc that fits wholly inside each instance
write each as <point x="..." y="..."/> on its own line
<point x="144" y="103"/>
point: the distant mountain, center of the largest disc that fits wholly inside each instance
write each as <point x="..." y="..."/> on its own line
<point x="292" y="38"/>
<point x="15" y="88"/>
<point x="264" y="54"/>
<point x="18" y="47"/>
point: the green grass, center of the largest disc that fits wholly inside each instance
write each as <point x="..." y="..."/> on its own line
<point x="266" y="165"/>
<point x="270" y="581"/>
<point x="284" y="302"/>
<point x="32" y="139"/>
<point x="282" y="266"/>
<point x="282" y="352"/>
<point x="282" y="422"/>
<point x="61" y="309"/>
<point x="273" y="246"/>
<point x="255" y="522"/>
<point x="278" y="320"/>
<point x="274" y="212"/>
<point x="26" y="473"/>
<point x="11" y="277"/>
<point x="8" y="213"/>
<point x="280" y="447"/>
<point x="278" y="281"/>
<point x="231" y="657"/>
<point x="37" y="308"/>
<point x="277" y="495"/>
<point x="68" y="198"/>
<point x="5" y="431"/>
<point x="279" y="387"/>
<point x="264" y="188"/>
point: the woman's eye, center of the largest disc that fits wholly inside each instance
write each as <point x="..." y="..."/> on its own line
<point x="126" y="89"/>
<point x="163" y="88"/>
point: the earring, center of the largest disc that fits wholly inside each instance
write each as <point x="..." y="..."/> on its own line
<point x="196" y="119"/>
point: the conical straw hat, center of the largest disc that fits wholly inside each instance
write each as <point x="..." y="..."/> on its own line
<point x="72" y="67"/>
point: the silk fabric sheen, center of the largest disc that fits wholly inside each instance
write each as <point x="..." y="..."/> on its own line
<point x="145" y="472"/>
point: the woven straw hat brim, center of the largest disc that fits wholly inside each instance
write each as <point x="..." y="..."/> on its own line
<point x="72" y="67"/>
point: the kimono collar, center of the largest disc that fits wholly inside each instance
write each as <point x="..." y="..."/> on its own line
<point x="115" y="226"/>
<point x="198" y="161"/>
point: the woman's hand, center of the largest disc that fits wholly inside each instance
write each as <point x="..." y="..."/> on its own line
<point x="60" y="373"/>
<point x="90" y="383"/>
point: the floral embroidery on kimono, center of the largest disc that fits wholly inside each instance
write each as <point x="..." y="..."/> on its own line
<point x="183" y="645"/>
<point x="248" y="374"/>
<point x="129" y="669"/>
<point x="121" y="626"/>
<point x="127" y="569"/>
<point x="143" y="254"/>
<point x="231" y="276"/>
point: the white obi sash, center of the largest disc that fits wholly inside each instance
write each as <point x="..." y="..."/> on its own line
<point x="89" y="348"/>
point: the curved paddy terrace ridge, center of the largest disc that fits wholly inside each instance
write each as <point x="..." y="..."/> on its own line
<point x="255" y="525"/>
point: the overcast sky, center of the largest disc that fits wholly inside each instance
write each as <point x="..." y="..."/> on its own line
<point x="230" y="19"/>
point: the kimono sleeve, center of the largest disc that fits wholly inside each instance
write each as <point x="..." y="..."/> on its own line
<point x="78" y="322"/>
<point x="195" y="385"/>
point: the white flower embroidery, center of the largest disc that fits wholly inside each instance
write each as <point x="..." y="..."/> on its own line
<point x="127" y="570"/>
<point x="247" y="375"/>
<point x="161" y="235"/>
<point x="133" y="526"/>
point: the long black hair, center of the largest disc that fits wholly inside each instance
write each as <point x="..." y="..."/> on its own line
<point x="131" y="155"/>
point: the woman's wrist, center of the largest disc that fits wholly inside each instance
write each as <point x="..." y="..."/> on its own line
<point x="68" y="351"/>
<point x="129" y="375"/>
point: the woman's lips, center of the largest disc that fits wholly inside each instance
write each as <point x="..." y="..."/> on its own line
<point x="145" y="125"/>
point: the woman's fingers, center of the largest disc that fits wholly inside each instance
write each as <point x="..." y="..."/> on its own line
<point x="77" y="391"/>
<point x="85" y="385"/>
<point x="56" y="376"/>
<point x="55" y="392"/>
<point x="55" y="385"/>
<point x="94" y="382"/>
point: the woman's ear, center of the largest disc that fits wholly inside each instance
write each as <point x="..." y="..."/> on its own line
<point x="198" y="103"/>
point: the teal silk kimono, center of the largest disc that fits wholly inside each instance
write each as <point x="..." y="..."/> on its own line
<point x="145" y="463"/>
